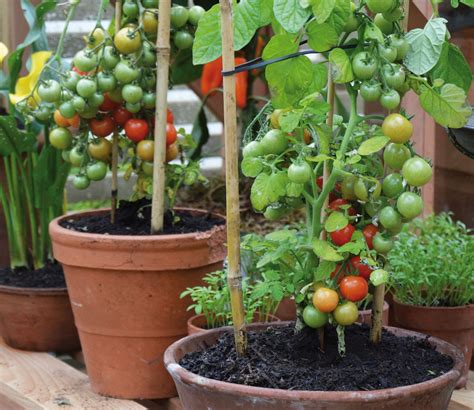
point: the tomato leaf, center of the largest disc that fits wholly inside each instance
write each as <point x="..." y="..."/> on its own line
<point x="281" y="235"/>
<point x="289" y="120"/>
<point x="425" y="46"/>
<point x="372" y="145"/>
<point x="325" y="251"/>
<point x="280" y="45"/>
<point x="294" y="190"/>
<point x="449" y="107"/>
<point x="323" y="271"/>
<point x="251" y="166"/>
<point x="267" y="189"/>
<point x="290" y="14"/>
<point x="321" y="37"/>
<point x="354" y="247"/>
<point x="341" y="66"/>
<point x="320" y="77"/>
<point x="339" y="15"/>
<point x="379" y="276"/>
<point x="322" y="9"/>
<point x="452" y="67"/>
<point x="335" y="221"/>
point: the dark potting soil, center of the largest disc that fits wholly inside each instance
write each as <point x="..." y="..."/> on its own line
<point x="134" y="218"/>
<point x="50" y="276"/>
<point x="279" y="358"/>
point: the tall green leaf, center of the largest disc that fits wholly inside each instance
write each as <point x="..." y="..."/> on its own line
<point x="14" y="140"/>
<point x="290" y="14"/>
<point x="341" y="66"/>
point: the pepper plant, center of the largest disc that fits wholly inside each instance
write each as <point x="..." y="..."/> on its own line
<point x="358" y="176"/>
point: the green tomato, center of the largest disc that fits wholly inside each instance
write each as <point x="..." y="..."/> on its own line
<point x="364" y="65"/>
<point x="347" y="188"/>
<point x="382" y="244"/>
<point x="65" y="155"/>
<point x="374" y="206"/>
<point x="195" y="14"/>
<point x="379" y="6"/>
<point x="393" y="14"/>
<point x="81" y="182"/>
<point x="346" y="313"/>
<point x="79" y="103"/>
<point x="394" y="75"/>
<point x="401" y="45"/>
<point x="148" y="81"/>
<point x="365" y="190"/>
<point x="125" y="73"/>
<point x="299" y="173"/>
<point x="130" y="8"/>
<point x="183" y="40"/>
<point x="253" y="149"/>
<point x="43" y="113"/>
<point x="132" y="93"/>
<point x="149" y="55"/>
<point x="387" y="52"/>
<point x="77" y="156"/>
<point x="67" y="109"/>
<point x="85" y="60"/>
<point x="390" y="99"/>
<point x="370" y="91"/>
<point x="150" y="4"/>
<point x="384" y="25"/>
<point x="110" y="58"/>
<point x="149" y="100"/>
<point x="389" y="218"/>
<point x="96" y="100"/>
<point x="60" y="138"/>
<point x="314" y="318"/>
<point x="106" y="81"/>
<point x="96" y="171"/>
<point x="352" y="23"/>
<point x="395" y="155"/>
<point x="49" y="91"/>
<point x="276" y="212"/>
<point x="133" y="107"/>
<point x="410" y="205"/>
<point x="70" y="82"/>
<point x="274" y="142"/>
<point x="86" y="87"/>
<point x="179" y="16"/>
<point x="393" y="185"/>
<point x="147" y="168"/>
<point x="416" y="171"/>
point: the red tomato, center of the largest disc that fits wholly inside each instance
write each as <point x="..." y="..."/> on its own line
<point x="342" y="236"/>
<point x="108" y="104"/>
<point x="354" y="288"/>
<point x="363" y="269"/>
<point x="102" y="127"/>
<point x="136" y="129"/>
<point x="79" y="71"/>
<point x="121" y="116"/>
<point x="169" y="116"/>
<point x="369" y="232"/>
<point x="171" y="134"/>
<point x="335" y="206"/>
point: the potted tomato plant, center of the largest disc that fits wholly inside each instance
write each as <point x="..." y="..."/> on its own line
<point x="126" y="266"/>
<point x="432" y="265"/>
<point x="35" y="312"/>
<point x="373" y="172"/>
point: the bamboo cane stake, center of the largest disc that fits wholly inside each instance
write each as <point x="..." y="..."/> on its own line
<point x="159" y="158"/>
<point x="114" y="192"/>
<point x="234" y="277"/>
<point x="379" y="291"/>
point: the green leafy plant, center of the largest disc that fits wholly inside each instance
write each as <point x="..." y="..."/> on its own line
<point x="432" y="263"/>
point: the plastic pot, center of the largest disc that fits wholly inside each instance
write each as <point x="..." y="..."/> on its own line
<point x="200" y="393"/>
<point x="124" y="293"/>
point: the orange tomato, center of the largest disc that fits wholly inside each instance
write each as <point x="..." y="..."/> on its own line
<point x="60" y="120"/>
<point x="325" y="300"/>
<point x="74" y="121"/>
<point x="172" y="152"/>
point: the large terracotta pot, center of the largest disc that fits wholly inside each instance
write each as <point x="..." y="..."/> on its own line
<point x="286" y="309"/>
<point x="124" y="292"/>
<point x="39" y="320"/>
<point x="365" y="316"/>
<point x="197" y="323"/>
<point x="200" y="393"/>
<point x="453" y="324"/>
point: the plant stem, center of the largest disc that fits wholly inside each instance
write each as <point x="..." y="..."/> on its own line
<point x="234" y="276"/>
<point x="159" y="160"/>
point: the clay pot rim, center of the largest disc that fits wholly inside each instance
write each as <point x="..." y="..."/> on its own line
<point x="190" y="322"/>
<point x="16" y="290"/>
<point x="190" y="378"/>
<point x="59" y="230"/>
<point x="432" y="308"/>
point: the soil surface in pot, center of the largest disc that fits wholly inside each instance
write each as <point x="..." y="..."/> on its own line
<point x="50" y="276"/>
<point x="279" y="358"/>
<point x="133" y="218"/>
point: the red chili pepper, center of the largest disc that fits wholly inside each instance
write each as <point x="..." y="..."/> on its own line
<point x="211" y="76"/>
<point x="241" y="82"/>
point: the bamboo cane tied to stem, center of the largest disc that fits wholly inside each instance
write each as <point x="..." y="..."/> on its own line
<point x="379" y="291"/>
<point x="114" y="192"/>
<point x="234" y="277"/>
<point x="159" y="158"/>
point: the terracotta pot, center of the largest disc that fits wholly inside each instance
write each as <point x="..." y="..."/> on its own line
<point x="38" y="320"/>
<point x="200" y="393"/>
<point x="286" y="309"/>
<point x="124" y="293"/>
<point x="365" y="316"/>
<point x="197" y="323"/>
<point x="453" y="324"/>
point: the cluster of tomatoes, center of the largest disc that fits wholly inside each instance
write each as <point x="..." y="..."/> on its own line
<point x="111" y="89"/>
<point x="381" y="77"/>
